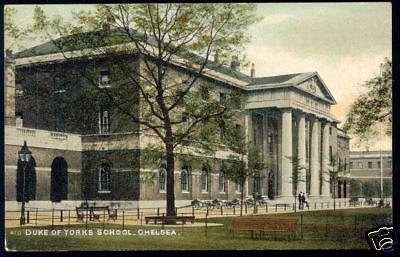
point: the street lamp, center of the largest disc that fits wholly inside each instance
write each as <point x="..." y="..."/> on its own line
<point x="24" y="155"/>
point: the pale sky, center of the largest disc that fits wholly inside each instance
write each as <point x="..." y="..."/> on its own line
<point x="343" y="42"/>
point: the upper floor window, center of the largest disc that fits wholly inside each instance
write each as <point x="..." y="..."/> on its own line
<point x="19" y="120"/>
<point x="369" y="165"/>
<point x="104" y="80"/>
<point x="58" y="86"/>
<point x="105" y="177"/>
<point x="222" y="97"/>
<point x="184" y="180"/>
<point x="163" y="179"/>
<point x="330" y="130"/>
<point x="330" y="153"/>
<point x="360" y="165"/>
<point x="104" y="121"/>
<point x="390" y="164"/>
<point x="351" y="165"/>
<point x="379" y="164"/>
<point x="221" y="182"/>
<point x="19" y="91"/>
<point x="185" y="120"/>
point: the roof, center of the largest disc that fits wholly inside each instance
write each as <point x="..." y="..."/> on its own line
<point x="370" y="154"/>
<point x="113" y="37"/>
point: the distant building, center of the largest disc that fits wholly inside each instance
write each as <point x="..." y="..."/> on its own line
<point x="366" y="165"/>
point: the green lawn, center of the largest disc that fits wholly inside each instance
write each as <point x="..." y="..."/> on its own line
<point x="342" y="229"/>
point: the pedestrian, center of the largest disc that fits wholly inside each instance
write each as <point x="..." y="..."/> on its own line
<point x="303" y="199"/>
<point x="299" y="197"/>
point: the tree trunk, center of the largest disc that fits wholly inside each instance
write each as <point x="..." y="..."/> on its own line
<point x="241" y="197"/>
<point x="170" y="183"/>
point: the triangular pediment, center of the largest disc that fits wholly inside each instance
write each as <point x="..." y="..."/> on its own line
<point x="315" y="86"/>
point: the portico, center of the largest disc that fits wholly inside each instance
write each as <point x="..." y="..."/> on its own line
<point x="298" y="111"/>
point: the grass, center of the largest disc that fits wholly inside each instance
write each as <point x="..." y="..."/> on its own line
<point x="340" y="229"/>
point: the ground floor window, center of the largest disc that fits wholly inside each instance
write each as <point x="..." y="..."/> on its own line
<point x="221" y="182"/>
<point x="238" y="188"/>
<point x="105" y="177"/>
<point x="204" y="182"/>
<point x="163" y="179"/>
<point x="184" y="180"/>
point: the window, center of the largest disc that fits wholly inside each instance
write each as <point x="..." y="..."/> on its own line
<point x="105" y="178"/>
<point x="104" y="120"/>
<point x="222" y="97"/>
<point x="104" y="80"/>
<point x="351" y="165"/>
<point x="379" y="164"/>
<point x="360" y="165"/>
<point x="185" y="120"/>
<point x="330" y="154"/>
<point x="369" y="165"/>
<point x="221" y="182"/>
<point x="330" y="130"/>
<point x="270" y="143"/>
<point x="238" y="188"/>
<point x="390" y="164"/>
<point x="19" y="120"/>
<point x="184" y="181"/>
<point x="19" y="91"/>
<point x="163" y="179"/>
<point x="204" y="182"/>
<point x="221" y="129"/>
<point x="58" y="86"/>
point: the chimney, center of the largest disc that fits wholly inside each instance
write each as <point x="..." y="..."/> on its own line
<point x="235" y="63"/>
<point x="216" y="57"/>
<point x="109" y="21"/>
<point x="253" y="71"/>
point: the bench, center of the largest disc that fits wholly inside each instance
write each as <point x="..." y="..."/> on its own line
<point x="183" y="219"/>
<point x="263" y="225"/>
<point x="81" y="213"/>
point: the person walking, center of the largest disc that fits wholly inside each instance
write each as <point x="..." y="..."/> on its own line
<point x="303" y="199"/>
<point x="299" y="197"/>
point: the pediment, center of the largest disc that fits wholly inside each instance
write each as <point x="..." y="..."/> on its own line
<point x="315" y="86"/>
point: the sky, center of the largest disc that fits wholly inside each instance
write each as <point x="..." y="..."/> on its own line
<point x="343" y="42"/>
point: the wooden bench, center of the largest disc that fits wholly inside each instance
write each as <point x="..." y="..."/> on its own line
<point x="183" y="219"/>
<point x="263" y="225"/>
<point x="81" y="213"/>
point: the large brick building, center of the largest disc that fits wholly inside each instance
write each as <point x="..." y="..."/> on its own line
<point x="97" y="156"/>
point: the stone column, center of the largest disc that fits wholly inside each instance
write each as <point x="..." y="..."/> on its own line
<point x="286" y="164"/>
<point x="314" y="180"/>
<point x="264" y="177"/>
<point x="325" y="161"/>
<point x="248" y="126"/>
<point x="301" y="181"/>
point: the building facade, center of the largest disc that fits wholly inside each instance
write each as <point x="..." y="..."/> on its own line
<point x="371" y="165"/>
<point x="98" y="156"/>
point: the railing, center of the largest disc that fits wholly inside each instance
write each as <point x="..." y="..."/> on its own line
<point x="26" y="131"/>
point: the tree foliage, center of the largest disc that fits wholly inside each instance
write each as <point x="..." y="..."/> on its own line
<point x="374" y="107"/>
<point x="184" y="112"/>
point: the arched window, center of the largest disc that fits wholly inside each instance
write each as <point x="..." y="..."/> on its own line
<point x="105" y="177"/>
<point x="184" y="180"/>
<point x="204" y="182"/>
<point x="238" y="188"/>
<point x="221" y="181"/>
<point x="163" y="179"/>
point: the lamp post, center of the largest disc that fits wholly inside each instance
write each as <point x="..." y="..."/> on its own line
<point x="24" y="155"/>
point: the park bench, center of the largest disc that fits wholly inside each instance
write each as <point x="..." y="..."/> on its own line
<point x="163" y="218"/>
<point x="94" y="214"/>
<point x="263" y="225"/>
